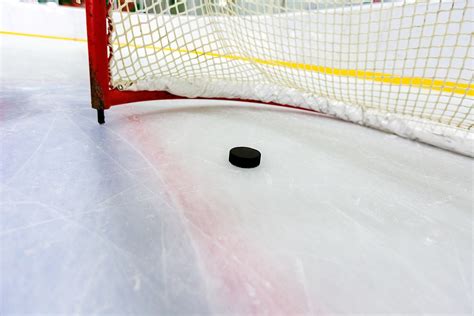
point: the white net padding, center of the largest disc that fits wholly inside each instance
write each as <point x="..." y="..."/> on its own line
<point x="402" y="67"/>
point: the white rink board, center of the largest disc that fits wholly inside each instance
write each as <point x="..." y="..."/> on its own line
<point x="42" y="19"/>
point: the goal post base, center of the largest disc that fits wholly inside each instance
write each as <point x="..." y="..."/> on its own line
<point x="101" y="116"/>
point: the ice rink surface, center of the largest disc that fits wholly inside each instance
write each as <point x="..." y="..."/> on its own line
<point x="144" y="215"/>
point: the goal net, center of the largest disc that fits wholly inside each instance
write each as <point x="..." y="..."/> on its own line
<point x="399" y="66"/>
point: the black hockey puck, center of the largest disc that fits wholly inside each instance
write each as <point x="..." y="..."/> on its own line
<point x="244" y="157"/>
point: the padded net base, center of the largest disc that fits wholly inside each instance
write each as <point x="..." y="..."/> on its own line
<point x="403" y="66"/>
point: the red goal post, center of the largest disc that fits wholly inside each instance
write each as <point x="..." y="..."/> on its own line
<point x="103" y="95"/>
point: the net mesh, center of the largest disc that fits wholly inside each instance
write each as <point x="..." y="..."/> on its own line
<point x="409" y="59"/>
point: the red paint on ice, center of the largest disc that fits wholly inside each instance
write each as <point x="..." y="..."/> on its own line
<point x="245" y="278"/>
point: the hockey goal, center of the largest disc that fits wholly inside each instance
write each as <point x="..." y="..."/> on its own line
<point x="399" y="66"/>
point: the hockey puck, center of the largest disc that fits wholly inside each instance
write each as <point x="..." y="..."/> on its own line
<point x="244" y="157"/>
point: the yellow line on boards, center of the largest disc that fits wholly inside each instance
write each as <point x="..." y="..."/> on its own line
<point x="61" y="38"/>
<point x="417" y="82"/>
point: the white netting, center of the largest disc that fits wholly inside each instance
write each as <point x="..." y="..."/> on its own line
<point x="400" y="66"/>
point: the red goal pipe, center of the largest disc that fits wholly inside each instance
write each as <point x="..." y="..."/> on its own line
<point x="103" y="96"/>
<point x="97" y="41"/>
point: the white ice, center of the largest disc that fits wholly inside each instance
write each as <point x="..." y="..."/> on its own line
<point x="144" y="215"/>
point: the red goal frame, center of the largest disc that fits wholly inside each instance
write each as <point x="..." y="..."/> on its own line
<point x="102" y="94"/>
